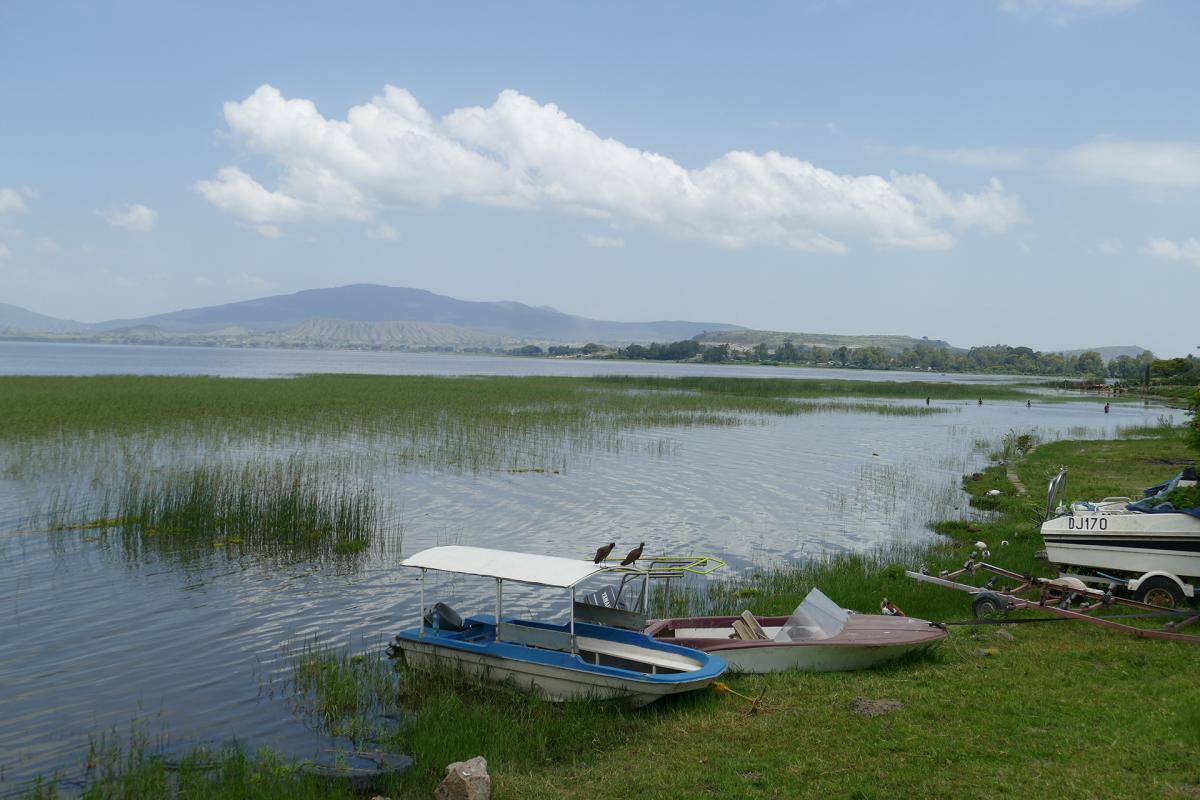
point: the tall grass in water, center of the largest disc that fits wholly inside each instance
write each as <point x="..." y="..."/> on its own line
<point x="346" y="694"/>
<point x="274" y="509"/>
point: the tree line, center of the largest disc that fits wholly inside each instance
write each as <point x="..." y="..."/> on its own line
<point x="997" y="358"/>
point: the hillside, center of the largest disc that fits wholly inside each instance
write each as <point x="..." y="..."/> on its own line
<point x="400" y="333"/>
<point x="14" y="319"/>
<point x="373" y="303"/>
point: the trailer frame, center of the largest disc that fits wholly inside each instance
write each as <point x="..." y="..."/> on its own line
<point x="1065" y="597"/>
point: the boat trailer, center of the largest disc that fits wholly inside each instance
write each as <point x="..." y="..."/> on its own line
<point x="1065" y="598"/>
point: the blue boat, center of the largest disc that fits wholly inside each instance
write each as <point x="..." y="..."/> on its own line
<point x="600" y="653"/>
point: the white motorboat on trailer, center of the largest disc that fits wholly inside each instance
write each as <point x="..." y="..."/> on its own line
<point x="1149" y="548"/>
<point x="578" y="660"/>
<point x="819" y="636"/>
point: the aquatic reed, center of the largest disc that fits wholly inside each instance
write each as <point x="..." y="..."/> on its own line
<point x="270" y="509"/>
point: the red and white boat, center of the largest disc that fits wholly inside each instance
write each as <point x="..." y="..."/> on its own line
<point x="819" y="636"/>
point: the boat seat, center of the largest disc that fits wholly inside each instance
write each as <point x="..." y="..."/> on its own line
<point x="747" y="629"/>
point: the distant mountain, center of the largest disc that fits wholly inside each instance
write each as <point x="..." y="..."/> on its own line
<point x="773" y="339"/>
<point x="1109" y="353"/>
<point x="14" y="319"/>
<point x="340" y="333"/>
<point x="377" y="304"/>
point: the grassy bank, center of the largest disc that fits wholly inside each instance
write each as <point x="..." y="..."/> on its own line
<point x="1058" y="709"/>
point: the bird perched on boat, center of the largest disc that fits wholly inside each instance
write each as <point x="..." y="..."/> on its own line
<point x="602" y="552"/>
<point x="890" y="609"/>
<point x="633" y="555"/>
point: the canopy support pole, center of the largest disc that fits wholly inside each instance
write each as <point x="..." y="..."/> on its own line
<point x="499" y="605"/>
<point x="574" y="649"/>
<point x="421" y="608"/>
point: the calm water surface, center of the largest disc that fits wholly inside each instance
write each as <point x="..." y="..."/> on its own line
<point x="51" y="358"/>
<point x="90" y="640"/>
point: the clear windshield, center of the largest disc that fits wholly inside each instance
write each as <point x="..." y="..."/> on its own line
<point x="817" y="617"/>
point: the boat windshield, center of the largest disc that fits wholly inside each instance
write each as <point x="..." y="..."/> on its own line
<point x="817" y="617"/>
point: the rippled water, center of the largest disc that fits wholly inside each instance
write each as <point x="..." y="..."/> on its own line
<point x="90" y="641"/>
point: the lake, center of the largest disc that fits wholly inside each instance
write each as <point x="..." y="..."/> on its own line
<point x="198" y="651"/>
<point x="54" y="358"/>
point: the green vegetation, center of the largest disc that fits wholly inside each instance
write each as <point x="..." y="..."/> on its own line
<point x="330" y="404"/>
<point x="1070" y="709"/>
<point x="354" y="695"/>
<point x="288" y="509"/>
<point x="804" y="389"/>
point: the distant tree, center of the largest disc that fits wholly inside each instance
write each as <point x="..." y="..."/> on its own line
<point x="760" y="352"/>
<point x="527" y="350"/>
<point x="716" y="354"/>
<point x="1170" y="368"/>
<point x="842" y="355"/>
<point x="635" y="351"/>
<point x="787" y="352"/>
<point x="1090" y="363"/>
<point x="819" y="355"/>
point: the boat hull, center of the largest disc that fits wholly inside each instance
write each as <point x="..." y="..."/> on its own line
<point x="1125" y="542"/>
<point x="560" y="676"/>
<point x="866" y="641"/>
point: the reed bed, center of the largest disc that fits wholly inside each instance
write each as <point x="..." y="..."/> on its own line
<point x="39" y="406"/>
<point x="275" y="509"/>
<point x="62" y="425"/>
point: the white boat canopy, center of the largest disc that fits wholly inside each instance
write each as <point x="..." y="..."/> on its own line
<point x="505" y="565"/>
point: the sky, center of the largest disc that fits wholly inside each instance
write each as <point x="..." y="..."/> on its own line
<point x="1024" y="172"/>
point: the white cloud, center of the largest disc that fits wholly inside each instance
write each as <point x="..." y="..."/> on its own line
<point x="1188" y="251"/>
<point x="12" y="201"/>
<point x="135" y="218"/>
<point x="1161" y="164"/>
<point x="592" y="240"/>
<point x="117" y="279"/>
<point x="251" y="281"/>
<point x="1064" y="12"/>
<point x="385" y="233"/>
<point x="5" y="253"/>
<point x="1109" y="246"/>
<point x="269" y="231"/>
<point x="234" y="192"/>
<point x="519" y="153"/>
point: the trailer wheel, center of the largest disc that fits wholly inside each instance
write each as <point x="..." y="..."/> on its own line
<point x="1159" y="591"/>
<point x="988" y="604"/>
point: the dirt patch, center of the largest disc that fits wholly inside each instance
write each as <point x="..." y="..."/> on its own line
<point x="874" y="708"/>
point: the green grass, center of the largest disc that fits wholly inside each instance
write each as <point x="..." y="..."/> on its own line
<point x="37" y="406"/>
<point x="291" y="508"/>
<point x="347" y="694"/>
<point x="68" y="425"/>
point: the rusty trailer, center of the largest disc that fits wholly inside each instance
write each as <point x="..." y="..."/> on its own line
<point x="1065" y="598"/>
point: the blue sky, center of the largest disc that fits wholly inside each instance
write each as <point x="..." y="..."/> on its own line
<point x="1016" y="171"/>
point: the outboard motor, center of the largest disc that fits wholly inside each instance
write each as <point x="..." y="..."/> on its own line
<point x="443" y="617"/>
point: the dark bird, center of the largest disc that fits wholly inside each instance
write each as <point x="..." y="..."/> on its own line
<point x="602" y="553"/>
<point x="633" y="555"/>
